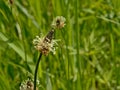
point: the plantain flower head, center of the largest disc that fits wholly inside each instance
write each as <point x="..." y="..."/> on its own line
<point x="45" y="44"/>
<point x="58" y="22"/>
<point x="28" y="85"/>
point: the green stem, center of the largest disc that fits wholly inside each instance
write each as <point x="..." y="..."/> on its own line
<point x="36" y="70"/>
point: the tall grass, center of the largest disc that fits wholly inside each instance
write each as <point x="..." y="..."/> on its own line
<point x="88" y="54"/>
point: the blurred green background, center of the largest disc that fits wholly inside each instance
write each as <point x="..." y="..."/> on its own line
<point x="88" y="53"/>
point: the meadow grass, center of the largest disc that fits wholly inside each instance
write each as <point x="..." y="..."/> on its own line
<point x="88" y="53"/>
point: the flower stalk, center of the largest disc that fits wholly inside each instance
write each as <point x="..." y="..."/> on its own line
<point x="36" y="70"/>
<point x="44" y="50"/>
<point x="46" y="44"/>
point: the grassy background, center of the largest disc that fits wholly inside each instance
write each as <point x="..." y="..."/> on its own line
<point x="88" y="55"/>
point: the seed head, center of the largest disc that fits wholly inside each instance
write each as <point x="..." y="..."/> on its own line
<point x="58" y="22"/>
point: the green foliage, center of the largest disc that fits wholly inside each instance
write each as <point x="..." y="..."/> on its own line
<point x="88" y="55"/>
